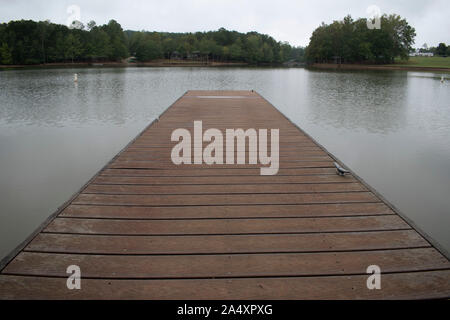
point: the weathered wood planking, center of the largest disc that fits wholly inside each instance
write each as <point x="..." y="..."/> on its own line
<point x="145" y="228"/>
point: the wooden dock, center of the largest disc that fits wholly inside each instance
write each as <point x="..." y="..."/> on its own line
<point x="144" y="228"/>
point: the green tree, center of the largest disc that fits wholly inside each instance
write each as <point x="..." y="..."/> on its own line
<point x="100" y="44"/>
<point x="169" y="45"/>
<point x="43" y="28"/>
<point x="267" y="53"/>
<point x="400" y="35"/>
<point x="254" y="48"/>
<point x="235" y="51"/>
<point x="148" y="49"/>
<point x="5" y="54"/>
<point x="119" y="49"/>
<point x="210" y="48"/>
<point x="91" y="25"/>
<point x="72" y="47"/>
<point x="351" y="41"/>
<point x="441" y="49"/>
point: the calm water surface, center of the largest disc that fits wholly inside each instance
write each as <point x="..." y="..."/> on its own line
<point x="391" y="127"/>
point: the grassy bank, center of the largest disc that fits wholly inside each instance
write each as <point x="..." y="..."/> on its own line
<point x="430" y="64"/>
<point x="425" y="62"/>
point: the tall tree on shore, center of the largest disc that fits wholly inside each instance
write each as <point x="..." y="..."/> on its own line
<point x="400" y="33"/>
<point x="144" y="47"/>
<point x="72" y="47"/>
<point x="5" y="54"/>
<point x="91" y="25"/>
<point x="117" y="40"/>
<point x="43" y="27"/>
<point x="441" y="49"/>
<point x="352" y="41"/>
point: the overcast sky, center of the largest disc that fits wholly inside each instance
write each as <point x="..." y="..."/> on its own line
<point x="291" y="21"/>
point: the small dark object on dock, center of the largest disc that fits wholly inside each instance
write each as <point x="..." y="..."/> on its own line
<point x="341" y="171"/>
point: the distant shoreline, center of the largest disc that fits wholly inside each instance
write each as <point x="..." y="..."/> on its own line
<point x="375" y="67"/>
<point x="183" y="63"/>
<point x="156" y="63"/>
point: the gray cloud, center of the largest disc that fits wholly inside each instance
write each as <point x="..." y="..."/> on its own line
<point x="291" y="21"/>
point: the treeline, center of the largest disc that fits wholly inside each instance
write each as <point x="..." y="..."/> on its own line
<point x="221" y="45"/>
<point x="441" y="50"/>
<point x="351" y="41"/>
<point x="30" y="42"/>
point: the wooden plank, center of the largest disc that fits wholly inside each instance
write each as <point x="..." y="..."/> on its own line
<point x="215" y="212"/>
<point x="225" y="189"/>
<point x="221" y="226"/>
<point x="166" y="158"/>
<point x="137" y="180"/>
<point x="156" y="153"/>
<point x="166" y="147"/>
<point x="90" y="244"/>
<point x="180" y="172"/>
<point x="236" y="199"/>
<point x="159" y="142"/>
<point x="227" y="266"/>
<point x="415" y="285"/>
<point x="163" y="165"/>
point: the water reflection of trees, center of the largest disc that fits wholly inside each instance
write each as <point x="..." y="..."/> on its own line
<point x="371" y="101"/>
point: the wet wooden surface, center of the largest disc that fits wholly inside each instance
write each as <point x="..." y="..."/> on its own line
<point x="145" y="228"/>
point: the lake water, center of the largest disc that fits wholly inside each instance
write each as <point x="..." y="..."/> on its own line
<point x="391" y="127"/>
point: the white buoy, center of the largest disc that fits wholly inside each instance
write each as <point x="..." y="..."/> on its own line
<point x="75" y="77"/>
<point x="442" y="79"/>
